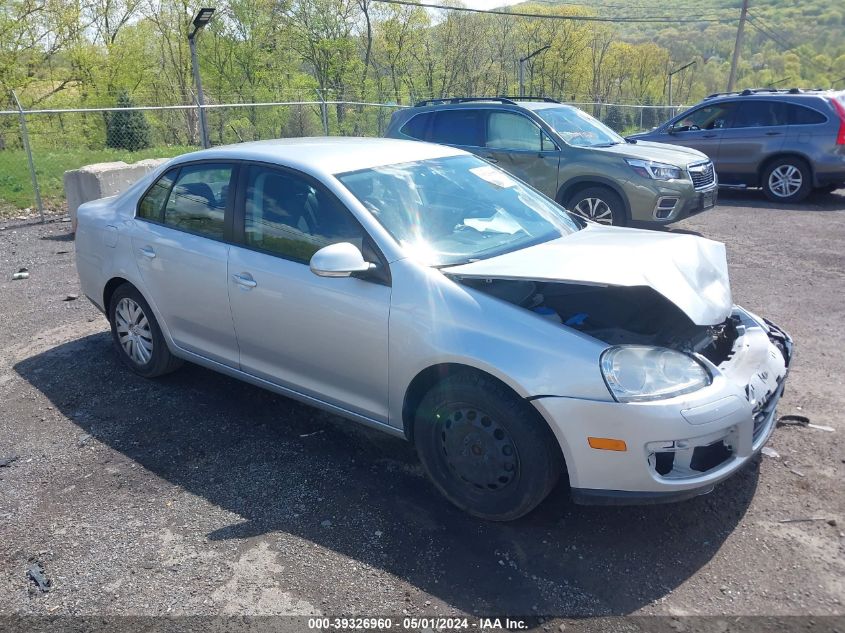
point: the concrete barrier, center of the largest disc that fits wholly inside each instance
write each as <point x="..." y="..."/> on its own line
<point x="101" y="180"/>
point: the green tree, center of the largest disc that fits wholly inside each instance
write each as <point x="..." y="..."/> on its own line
<point x="616" y="118"/>
<point x="128" y="129"/>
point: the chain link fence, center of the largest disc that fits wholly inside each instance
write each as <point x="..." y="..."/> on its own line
<point x="65" y="139"/>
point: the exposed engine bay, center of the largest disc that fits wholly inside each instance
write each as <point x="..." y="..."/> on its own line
<point x="615" y="314"/>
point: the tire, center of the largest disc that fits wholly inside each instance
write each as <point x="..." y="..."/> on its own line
<point x="484" y="448"/>
<point x="787" y="179"/>
<point x="146" y="352"/>
<point x="599" y="204"/>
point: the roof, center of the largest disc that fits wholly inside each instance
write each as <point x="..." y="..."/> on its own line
<point x="327" y="155"/>
<point x="769" y="93"/>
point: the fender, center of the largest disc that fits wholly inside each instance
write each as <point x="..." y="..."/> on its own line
<point x="565" y="190"/>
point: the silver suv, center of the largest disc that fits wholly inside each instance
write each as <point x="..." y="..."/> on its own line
<point x="787" y="142"/>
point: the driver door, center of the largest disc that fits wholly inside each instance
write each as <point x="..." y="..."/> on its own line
<point x="518" y="145"/>
<point x="320" y="336"/>
<point x="701" y="129"/>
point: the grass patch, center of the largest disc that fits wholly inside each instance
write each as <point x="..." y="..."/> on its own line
<point x="50" y="165"/>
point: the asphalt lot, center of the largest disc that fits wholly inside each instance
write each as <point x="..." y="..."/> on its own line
<point x="197" y="494"/>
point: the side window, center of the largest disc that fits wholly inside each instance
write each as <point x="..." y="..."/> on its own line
<point x="287" y="216"/>
<point x="197" y="202"/>
<point x="457" y="127"/>
<point x="418" y="126"/>
<point x="756" y="113"/>
<point x="711" y="117"/>
<point x="152" y="204"/>
<point x="507" y="130"/>
<point x="799" y="115"/>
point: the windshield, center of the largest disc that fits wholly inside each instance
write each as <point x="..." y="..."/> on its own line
<point x="455" y="210"/>
<point x="576" y="127"/>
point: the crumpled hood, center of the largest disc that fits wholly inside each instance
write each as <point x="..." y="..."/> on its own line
<point x="690" y="271"/>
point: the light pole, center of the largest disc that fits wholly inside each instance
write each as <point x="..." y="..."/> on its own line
<point x="522" y="68"/>
<point x="202" y="18"/>
<point x="673" y="72"/>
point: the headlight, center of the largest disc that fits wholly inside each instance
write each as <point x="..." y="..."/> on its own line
<point x="635" y="373"/>
<point x="655" y="171"/>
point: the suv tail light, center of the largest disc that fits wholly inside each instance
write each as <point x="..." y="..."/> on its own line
<point x="840" y="110"/>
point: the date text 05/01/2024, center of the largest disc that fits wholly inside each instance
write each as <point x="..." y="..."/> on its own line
<point x="417" y="623"/>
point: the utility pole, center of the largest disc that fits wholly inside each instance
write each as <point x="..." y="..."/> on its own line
<point x="740" y="31"/>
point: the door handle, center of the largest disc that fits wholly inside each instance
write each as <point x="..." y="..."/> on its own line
<point x="773" y="133"/>
<point x="148" y="252"/>
<point x="709" y="135"/>
<point x="244" y="280"/>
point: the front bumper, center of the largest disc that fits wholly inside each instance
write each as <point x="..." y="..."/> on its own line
<point x="679" y="447"/>
<point x="656" y="202"/>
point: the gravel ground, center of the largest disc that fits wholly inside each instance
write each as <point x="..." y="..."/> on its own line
<point x="197" y="494"/>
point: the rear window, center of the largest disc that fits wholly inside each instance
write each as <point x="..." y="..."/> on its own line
<point x="418" y="126"/>
<point x="760" y="114"/>
<point x="151" y="206"/>
<point x="799" y="115"/>
<point x="457" y="127"/>
<point x="197" y="202"/>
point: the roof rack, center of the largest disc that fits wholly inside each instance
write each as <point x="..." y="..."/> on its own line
<point x="754" y="91"/>
<point x="532" y="98"/>
<point x="507" y="100"/>
<point x="462" y="100"/>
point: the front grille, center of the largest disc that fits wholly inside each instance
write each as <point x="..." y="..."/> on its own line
<point x="703" y="175"/>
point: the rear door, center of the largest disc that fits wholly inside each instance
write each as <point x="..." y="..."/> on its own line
<point x="517" y="144"/>
<point x="179" y="236"/>
<point x="757" y="130"/>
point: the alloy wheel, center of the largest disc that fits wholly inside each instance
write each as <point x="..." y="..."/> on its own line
<point x="133" y="331"/>
<point x="594" y="209"/>
<point x="477" y="449"/>
<point x="785" y="181"/>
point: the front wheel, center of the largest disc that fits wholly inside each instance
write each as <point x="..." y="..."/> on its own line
<point x="598" y="204"/>
<point x="484" y="448"/>
<point x="137" y="335"/>
<point x="787" y="180"/>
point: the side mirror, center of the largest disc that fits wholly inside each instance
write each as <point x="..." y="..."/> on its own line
<point x="339" y="260"/>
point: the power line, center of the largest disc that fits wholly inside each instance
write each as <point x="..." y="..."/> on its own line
<point x="599" y="5"/>
<point x="770" y="31"/>
<point x="784" y="45"/>
<point x="573" y="18"/>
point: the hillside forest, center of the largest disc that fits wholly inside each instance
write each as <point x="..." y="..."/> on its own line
<point x="95" y="53"/>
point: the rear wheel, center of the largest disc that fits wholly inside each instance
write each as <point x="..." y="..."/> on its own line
<point x="598" y="204"/>
<point x="484" y="448"/>
<point x="787" y="180"/>
<point x="137" y="336"/>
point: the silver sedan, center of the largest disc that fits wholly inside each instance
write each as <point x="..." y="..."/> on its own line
<point x="422" y="291"/>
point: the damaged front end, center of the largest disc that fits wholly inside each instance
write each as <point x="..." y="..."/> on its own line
<point x="718" y="426"/>
<point x="616" y="315"/>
